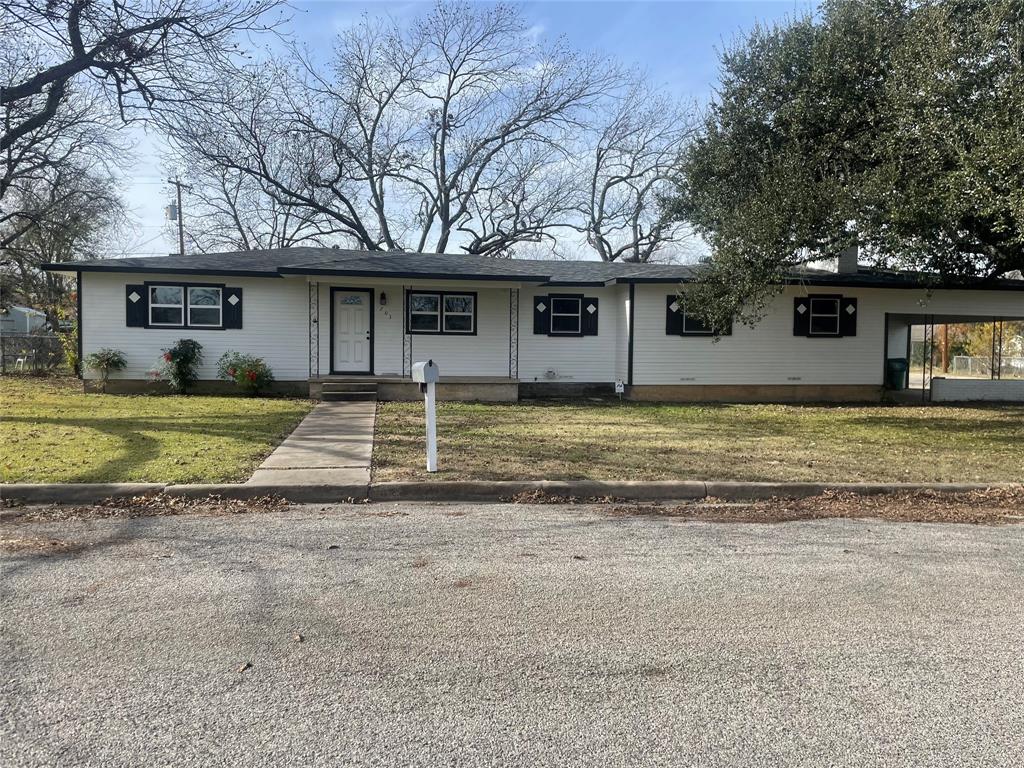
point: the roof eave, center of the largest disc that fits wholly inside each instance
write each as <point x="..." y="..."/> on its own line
<point x="415" y="275"/>
<point x="72" y="268"/>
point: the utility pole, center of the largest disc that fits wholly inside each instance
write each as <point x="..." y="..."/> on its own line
<point x="180" y="214"/>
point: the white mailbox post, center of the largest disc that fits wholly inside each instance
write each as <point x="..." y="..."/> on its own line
<point x="426" y="375"/>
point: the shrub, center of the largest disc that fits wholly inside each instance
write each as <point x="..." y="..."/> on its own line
<point x="179" y="365"/>
<point x="104" y="361"/>
<point x="249" y="372"/>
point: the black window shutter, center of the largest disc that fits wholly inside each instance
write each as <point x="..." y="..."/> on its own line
<point x="847" y="316"/>
<point x="588" y="318"/>
<point x="802" y="316"/>
<point x="136" y="305"/>
<point x="232" y="307"/>
<point x="673" y="316"/>
<point x="541" y="315"/>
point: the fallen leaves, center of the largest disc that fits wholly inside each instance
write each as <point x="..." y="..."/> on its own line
<point x="991" y="506"/>
<point x="151" y="505"/>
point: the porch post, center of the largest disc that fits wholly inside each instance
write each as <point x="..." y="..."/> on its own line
<point x="314" y="329"/>
<point x="513" y="333"/>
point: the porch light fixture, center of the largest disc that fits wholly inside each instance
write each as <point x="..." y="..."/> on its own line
<point x="383" y="299"/>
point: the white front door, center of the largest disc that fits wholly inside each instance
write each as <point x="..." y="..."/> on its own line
<point x="351" y="344"/>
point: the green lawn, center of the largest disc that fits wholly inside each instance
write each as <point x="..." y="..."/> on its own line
<point x="639" y="441"/>
<point x="50" y="431"/>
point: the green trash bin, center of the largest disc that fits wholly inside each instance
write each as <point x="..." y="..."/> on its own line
<point x="896" y="373"/>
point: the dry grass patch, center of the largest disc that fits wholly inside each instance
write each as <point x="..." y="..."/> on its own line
<point x="650" y="441"/>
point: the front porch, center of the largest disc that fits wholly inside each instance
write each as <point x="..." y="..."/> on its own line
<point x="493" y="389"/>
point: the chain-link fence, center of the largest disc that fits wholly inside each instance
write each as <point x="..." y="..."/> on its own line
<point x="30" y="352"/>
<point x="981" y="367"/>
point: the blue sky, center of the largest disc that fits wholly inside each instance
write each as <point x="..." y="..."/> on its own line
<point x="676" y="43"/>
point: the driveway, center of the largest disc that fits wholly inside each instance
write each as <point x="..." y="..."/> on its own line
<point x="511" y="635"/>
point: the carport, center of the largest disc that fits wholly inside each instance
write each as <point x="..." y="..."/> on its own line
<point x="997" y="376"/>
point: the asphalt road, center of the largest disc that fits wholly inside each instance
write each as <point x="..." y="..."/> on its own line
<point x="511" y="635"/>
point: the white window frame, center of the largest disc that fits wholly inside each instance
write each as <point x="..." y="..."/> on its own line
<point x="410" y="311"/>
<point x="578" y="315"/>
<point x="181" y="306"/>
<point x="219" y="307"/>
<point x="471" y="313"/>
<point x="810" y="321"/>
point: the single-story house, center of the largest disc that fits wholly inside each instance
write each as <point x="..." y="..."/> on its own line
<point x="324" y="318"/>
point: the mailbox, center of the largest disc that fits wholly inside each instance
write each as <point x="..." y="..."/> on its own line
<point x="425" y="373"/>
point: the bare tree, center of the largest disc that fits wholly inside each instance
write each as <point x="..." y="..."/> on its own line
<point x="140" y="54"/>
<point x="626" y="166"/>
<point x="66" y="214"/>
<point x="231" y="210"/>
<point x="410" y="137"/>
<point x="58" y="164"/>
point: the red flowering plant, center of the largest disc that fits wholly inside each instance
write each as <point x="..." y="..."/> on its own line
<point x="179" y="365"/>
<point x="250" y="373"/>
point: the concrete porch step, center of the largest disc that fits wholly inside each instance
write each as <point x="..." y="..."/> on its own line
<point x="333" y="396"/>
<point x="349" y="386"/>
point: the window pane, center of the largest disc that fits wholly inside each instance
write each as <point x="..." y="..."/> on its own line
<point x="693" y="324"/>
<point x="419" y="322"/>
<point x="825" y="306"/>
<point x="565" y="324"/>
<point x="165" y="315"/>
<point x="565" y="306"/>
<point x="204" y="297"/>
<point x="423" y="302"/>
<point x="166" y="294"/>
<point x="458" y="303"/>
<point x="204" y="316"/>
<point x="825" y="325"/>
<point x="458" y="323"/>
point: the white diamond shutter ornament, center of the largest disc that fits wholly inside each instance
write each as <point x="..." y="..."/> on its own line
<point x="850" y="309"/>
<point x="801" y="308"/>
<point x="541" y="307"/>
<point x="674" y="306"/>
<point x="133" y="297"/>
<point x="232" y="300"/>
<point x="591" y="308"/>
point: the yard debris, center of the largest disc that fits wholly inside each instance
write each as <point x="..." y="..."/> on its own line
<point x="151" y="505"/>
<point x="540" y="496"/>
<point x="991" y="506"/>
<point x="298" y="638"/>
<point x="246" y="665"/>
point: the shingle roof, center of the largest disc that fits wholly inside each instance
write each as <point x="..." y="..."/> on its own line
<point x="332" y="261"/>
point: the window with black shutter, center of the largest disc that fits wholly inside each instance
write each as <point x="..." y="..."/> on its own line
<point x="679" y="322"/>
<point x="565" y="314"/>
<point x="183" y="305"/>
<point x="824" y="316"/>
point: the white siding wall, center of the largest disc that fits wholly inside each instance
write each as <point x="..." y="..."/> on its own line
<point x="275" y="325"/>
<point x="590" y="359"/>
<point x="771" y="354"/>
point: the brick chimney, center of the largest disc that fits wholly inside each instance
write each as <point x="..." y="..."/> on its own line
<point x="848" y="261"/>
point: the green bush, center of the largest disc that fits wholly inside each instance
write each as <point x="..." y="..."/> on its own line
<point x="249" y="372"/>
<point x="104" y="361"/>
<point x="179" y="365"/>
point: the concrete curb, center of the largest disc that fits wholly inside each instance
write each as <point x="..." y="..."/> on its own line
<point x="476" y="490"/>
<point x="480" y="491"/>
<point x="74" y="493"/>
<point x="299" y="494"/>
<point x="661" y="490"/>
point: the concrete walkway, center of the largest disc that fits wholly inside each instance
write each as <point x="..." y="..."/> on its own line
<point x="331" y="446"/>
